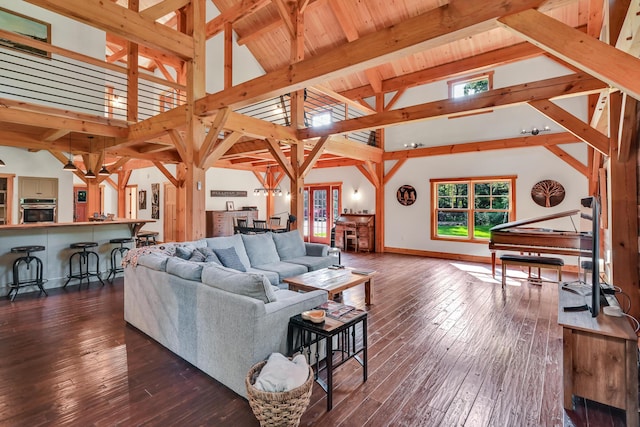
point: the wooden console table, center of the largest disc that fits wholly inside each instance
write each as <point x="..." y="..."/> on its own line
<point x="600" y="357"/>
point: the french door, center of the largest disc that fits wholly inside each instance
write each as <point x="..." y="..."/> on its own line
<point x="321" y="204"/>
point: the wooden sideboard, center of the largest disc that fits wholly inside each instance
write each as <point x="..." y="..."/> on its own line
<point x="363" y="224"/>
<point x="220" y="223"/>
<point x="600" y="357"/>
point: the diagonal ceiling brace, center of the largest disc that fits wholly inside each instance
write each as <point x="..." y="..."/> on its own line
<point x="285" y="164"/>
<point x="573" y="124"/>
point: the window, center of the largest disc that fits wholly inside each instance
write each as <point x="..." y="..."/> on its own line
<point x="467" y="208"/>
<point x="321" y="119"/>
<point x="469" y="85"/>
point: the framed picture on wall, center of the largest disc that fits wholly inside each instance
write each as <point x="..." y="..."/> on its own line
<point x="230" y="206"/>
<point x="142" y="199"/>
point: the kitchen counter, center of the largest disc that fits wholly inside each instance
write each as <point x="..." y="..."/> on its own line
<point x="134" y="224"/>
<point x="56" y="238"/>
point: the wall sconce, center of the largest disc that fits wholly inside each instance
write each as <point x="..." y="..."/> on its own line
<point x="2" y="164"/>
<point x="413" y="145"/>
<point x="356" y="195"/>
<point x="535" y="131"/>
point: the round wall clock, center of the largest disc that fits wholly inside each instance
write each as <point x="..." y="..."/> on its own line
<point x="548" y="193"/>
<point x="406" y="195"/>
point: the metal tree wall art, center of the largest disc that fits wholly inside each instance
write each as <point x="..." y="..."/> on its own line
<point x="548" y="193"/>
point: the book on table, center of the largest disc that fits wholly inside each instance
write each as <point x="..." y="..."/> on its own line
<point x="336" y="310"/>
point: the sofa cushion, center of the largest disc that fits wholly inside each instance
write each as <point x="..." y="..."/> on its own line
<point x="313" y="262"/>
<point x="204" y="255"/>
<point x="229" y="258"/>
<point x="153" y="261"/>
<point x="186" y="269"/>
<point x="228" y="241"/>
<point x="284" y="269"/>
<point x="274" y="278"/>
<point x="289" y="244"/>
<point x="248" y="284"/>
<point x="260" y="248"/>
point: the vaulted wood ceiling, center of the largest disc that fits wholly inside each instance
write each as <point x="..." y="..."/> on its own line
<point x="353" y="50"/>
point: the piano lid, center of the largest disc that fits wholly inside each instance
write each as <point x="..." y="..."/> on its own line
<point x="526" y="221"/>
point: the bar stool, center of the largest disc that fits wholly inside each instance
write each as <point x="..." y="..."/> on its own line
<point x="121" y="251"/>
<point x="83" y="257"/>
<point x="146" y="238"/>
<point x="37" y="281"/>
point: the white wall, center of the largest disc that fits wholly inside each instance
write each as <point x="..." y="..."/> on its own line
<point x="408" y="227"/>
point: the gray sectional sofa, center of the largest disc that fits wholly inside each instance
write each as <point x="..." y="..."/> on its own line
<point x="222" y="320"/>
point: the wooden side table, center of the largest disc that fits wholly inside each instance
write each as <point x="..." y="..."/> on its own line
<point x="303" y="334"/>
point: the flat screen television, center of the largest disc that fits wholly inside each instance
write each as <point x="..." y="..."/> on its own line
<point x="592" y="207"/>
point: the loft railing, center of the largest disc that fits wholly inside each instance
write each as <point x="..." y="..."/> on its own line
<point x="319" y="109"/>
<point x="70" y="81"/>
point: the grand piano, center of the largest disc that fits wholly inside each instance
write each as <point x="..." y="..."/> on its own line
<point x="514" y="236"/>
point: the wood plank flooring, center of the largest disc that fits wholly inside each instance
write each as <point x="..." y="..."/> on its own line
<point x="447" y="348"/>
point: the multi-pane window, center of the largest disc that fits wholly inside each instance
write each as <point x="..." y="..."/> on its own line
<point x="467" y="208"/>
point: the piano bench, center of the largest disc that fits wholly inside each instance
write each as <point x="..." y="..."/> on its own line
<point x="530" y="261"/>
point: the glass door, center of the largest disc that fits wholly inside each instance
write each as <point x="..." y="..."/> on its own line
<point x="318" y="214"/>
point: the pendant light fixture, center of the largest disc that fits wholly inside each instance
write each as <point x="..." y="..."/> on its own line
<point x="70" y="167"/>
<point x="104" y="171"/>
<point x="90" y="173"/>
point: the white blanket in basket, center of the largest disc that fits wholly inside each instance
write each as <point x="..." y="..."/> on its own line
<point x="281" y="374"/>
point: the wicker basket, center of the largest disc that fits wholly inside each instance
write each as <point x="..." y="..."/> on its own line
<point x="278" y="409"/>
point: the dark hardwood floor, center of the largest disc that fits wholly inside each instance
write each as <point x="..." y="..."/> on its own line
<point x="447" y="348"/>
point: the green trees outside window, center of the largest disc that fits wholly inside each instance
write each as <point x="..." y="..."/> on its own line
<point x="467" y="208"/>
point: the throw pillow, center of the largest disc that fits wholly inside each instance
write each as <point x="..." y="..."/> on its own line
<point x="204" y="254"/>
<point x="229" y="258"/>
<point x="184" y="252"/>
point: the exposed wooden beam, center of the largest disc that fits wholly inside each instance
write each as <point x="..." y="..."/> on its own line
<point x="350" y="102"/>
<point x="221" y="148"/>
<point x="313" y="157"/>
<point x="433" y="28"/>
<point x="368" y="170"/>
<point x="163" y="8"/>
<point x="573" y="124"/>
<point x="166" y="173"/>
<point x="285" y="15"/>
<point x="278" y="155"/>
<point x="257" y="128"/>
<point x="628" y="128"/>
<point x="156" y="126"/>
<point x="544" y="89"/>
<point x="179" y="143"/>
<point x="473" y="147"/>
<point x="54" y="134"/>
<point x="395" y="168"/>
<point x="236" y="12"/>
<point x="110" y="17"/>
<point x="578" y="49"/>
<point x="54" y="119"/>
<point x="212" y="136"/>
<point x="569" y="159"/>
<point x="456" y="68"/>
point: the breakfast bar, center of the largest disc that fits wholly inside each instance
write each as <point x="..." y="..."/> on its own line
<point x="56" y="239"/>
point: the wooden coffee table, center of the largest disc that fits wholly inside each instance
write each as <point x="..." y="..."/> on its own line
<point x="333" y="281"/>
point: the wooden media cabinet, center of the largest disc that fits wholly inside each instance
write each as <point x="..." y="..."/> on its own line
<point x="600" y="357"/>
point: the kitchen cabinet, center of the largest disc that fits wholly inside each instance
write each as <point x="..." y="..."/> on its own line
<point x="6" y="196"/>
<point x="38" y="188"/>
